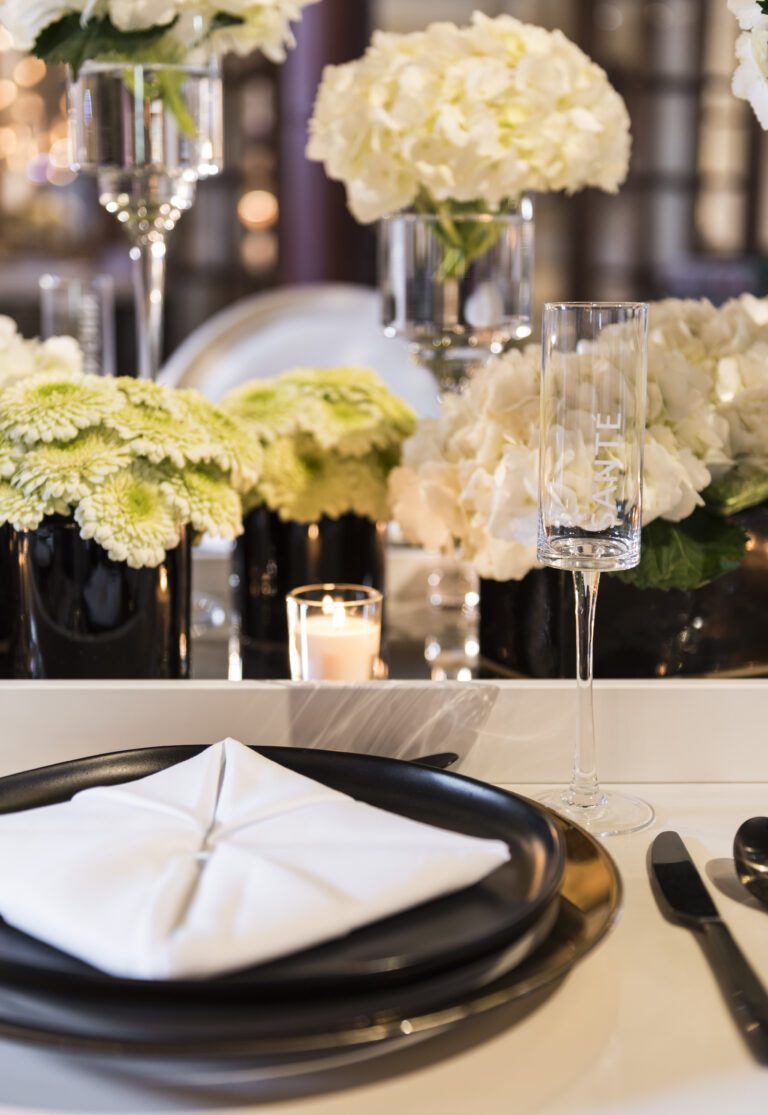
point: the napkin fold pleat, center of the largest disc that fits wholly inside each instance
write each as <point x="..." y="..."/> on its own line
<point x="223" y="861"/>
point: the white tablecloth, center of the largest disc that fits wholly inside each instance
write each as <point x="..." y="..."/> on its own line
<point x="638" y="1029"/>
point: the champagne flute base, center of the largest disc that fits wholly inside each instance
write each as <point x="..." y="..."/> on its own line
<point x="613" y="815"/>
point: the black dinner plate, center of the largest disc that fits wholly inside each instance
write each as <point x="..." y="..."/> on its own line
<point x="289" y="1037"/>
<point x="465" y="930"/>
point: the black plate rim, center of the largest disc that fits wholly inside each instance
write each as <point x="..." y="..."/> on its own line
<point x="96" y="982"/>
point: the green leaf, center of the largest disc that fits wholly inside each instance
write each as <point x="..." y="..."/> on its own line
<point x="739" y="489"/>
<point x="763" y="6"/>
<point x="70" y="42"/>
<point x="225" y="19"/>
<point x="687" y="555"/>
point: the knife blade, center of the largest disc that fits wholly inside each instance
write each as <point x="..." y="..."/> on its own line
<point x="681" y="894"/>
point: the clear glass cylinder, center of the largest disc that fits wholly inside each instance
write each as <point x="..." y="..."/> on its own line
<point x="593" y="393"/>
<point x="153" y="117"/>
<point x="148" y="132"/>
<point x="457" y="288"/>
<point x="83" y="309"/>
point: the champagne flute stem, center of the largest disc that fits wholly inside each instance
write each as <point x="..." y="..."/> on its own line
<point x="148" y="256"/>
<point x="584" y="790"/>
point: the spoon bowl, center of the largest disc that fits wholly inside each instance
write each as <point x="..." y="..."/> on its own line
<point x="750" y="855"/>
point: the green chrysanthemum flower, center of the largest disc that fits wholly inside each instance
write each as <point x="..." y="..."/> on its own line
<point x="231" y="446"/>
<point x="203" y="496"/>
<point x="10" y="455"/>
<point x="287" y="475"/>
<point x="56" y="407"/>
<point x="131" y="517"/>
<point x="302" y="482"/>
<point x="159" y="435"/>
<point x="70" y="470"/>
<point x="330" y="436"/>
<point x="347" y="410"/>
<point x="26" y="512"/>
<point x="269" y="407"/>
<point x="145" y="392"/>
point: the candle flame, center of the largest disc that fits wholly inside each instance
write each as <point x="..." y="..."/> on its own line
<point x="334" y="608"/>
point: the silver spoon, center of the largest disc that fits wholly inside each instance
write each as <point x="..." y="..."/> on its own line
<point x="750" y="854"/>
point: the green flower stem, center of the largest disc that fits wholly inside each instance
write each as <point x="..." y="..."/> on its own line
<point x="463" y="237"/>
<point x="165" y="85"/>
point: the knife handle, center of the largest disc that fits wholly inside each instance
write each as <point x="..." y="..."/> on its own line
<point x="743" y="991"/>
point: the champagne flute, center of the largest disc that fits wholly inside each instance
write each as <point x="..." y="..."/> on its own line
<point x="593" y="392"/>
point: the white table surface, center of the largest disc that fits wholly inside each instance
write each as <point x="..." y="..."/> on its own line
<point x="639" y="1027"/>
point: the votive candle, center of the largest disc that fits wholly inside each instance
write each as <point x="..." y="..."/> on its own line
<point x="334" y="632"/>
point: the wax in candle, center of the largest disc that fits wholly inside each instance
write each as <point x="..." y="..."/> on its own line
<point x="338" y="647"/>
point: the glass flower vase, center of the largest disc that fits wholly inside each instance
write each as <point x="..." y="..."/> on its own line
<point x="457" y="288"/>
<point x="148" y="133"/>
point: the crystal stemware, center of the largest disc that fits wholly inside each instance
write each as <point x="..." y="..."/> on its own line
<point x="148" y="133"/>
<point x="593" y="392"/>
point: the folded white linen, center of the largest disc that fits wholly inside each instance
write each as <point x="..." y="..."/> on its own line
<point x="218" y="863"/>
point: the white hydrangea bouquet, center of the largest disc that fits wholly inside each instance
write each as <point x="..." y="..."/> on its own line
<point x="464" y="120"/>
<point x="470" y="477"/>
<point x="75" y="31"/>
<point x="329" y="438"/>
<point x="132" y="462"/>
<point x="750" y="81"/>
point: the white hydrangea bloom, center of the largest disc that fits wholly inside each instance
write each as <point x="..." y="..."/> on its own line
<point x="747" y="419"/>
<point x="21" y="358"/>
<point x="25" y="19"/>
<point x="266" y="24"/>
<point x="750" y="81"/>
<point x="469" y="478"/>
<point x="475" y="114"/>
<point x="137" y="15"/>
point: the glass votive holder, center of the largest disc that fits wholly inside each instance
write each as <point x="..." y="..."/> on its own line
<point x="334" y="632"/>
<point x="83" y="309"/>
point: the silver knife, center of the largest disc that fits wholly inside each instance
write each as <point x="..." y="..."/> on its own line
<point x="681" y="894"/>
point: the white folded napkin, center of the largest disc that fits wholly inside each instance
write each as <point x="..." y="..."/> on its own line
<point x="221" y="862"/>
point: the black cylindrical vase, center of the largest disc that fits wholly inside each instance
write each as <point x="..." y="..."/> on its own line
<point x="272" y="557"/>
<point x="527" y="627"/>
<point x="75" y="613"/>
